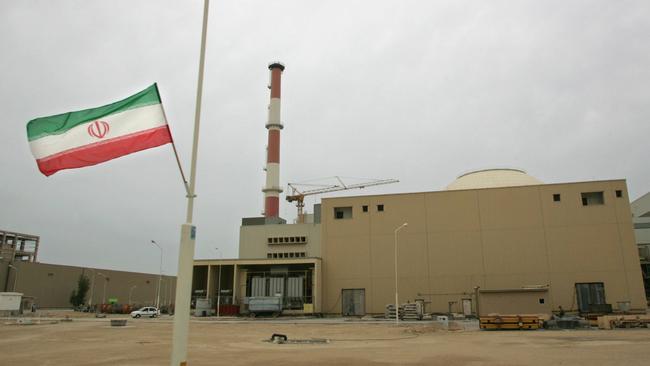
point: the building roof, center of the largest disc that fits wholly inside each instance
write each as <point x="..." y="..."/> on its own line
<point x="493" y="178"/>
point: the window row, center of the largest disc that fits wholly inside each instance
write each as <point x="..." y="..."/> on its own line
<point x="590" y="198"/>
<point x="346" y="212"/>
<point x="287" y="240"/>
<point x="286" y="255"/>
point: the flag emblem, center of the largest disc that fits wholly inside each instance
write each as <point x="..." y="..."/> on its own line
<point x="98" y="129"/>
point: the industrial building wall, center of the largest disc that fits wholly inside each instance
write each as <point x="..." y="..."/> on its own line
<point x="492" y="238"/>
<point x="253" y="240"/>
<point x="52" y="284"/>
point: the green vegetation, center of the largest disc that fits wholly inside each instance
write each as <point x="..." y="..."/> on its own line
<point x="78" y="296"/>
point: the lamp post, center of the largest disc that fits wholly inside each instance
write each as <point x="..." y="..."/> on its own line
<point x="92" y="289"/>
<point x="396" y="297"/>
<point x="15" y="276"/>
<point x="105" y="281"/>
<point x="160" y="275"/>
<point x="219" y="284"/>
<point x="130" y="292"/>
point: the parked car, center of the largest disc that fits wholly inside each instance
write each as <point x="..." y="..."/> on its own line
<point x="149" y="311"/>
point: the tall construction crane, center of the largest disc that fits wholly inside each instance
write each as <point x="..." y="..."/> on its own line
<point x="298" y="196"/>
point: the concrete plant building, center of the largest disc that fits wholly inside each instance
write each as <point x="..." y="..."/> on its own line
<point x="496" y="229"/>
<point x="499" y="231"/>
<point x="497" y="236"/>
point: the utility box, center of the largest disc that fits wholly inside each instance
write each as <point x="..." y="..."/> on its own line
<point x="10" y="302"/>
<point x="203" y="307"/>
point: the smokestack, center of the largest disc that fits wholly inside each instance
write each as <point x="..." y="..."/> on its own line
<point x="272" y="188"/>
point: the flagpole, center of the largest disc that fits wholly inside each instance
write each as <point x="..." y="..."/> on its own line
<point x="178" y="160"/>
<point x="188" y="231"/>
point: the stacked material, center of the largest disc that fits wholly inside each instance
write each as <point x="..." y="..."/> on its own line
<point x="510" y="322"/>
<point x="412" y="311"/>
<point x="390" y="311"/>
<point x="623" y="321"/>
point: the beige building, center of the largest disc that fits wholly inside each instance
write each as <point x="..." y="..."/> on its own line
<point x="497" y="232"/>
<point x="51" y="284"/>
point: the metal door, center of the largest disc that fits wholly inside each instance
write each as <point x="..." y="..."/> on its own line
<point x="353" y="302"/>
<point x="590" y="294"/>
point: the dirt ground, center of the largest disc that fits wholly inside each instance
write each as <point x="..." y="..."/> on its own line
<point x="89" y="341"/>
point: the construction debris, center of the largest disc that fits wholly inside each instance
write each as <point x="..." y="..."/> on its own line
<point x="624" y="321"/>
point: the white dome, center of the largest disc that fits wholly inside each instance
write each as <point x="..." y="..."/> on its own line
<point x="492" y="178"/>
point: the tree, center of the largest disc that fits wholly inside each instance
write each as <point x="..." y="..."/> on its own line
<point x="78" y="296"/>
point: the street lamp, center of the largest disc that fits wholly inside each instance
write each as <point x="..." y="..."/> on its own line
<point x="219" y="284"/>
<point x="396" y="297"/>
<point x="92" y="289"/>
<point x="130" y="292"/>
<point x="105" y="281"/>
<point x="15" y="276"/>
<point x="160" y="276"/>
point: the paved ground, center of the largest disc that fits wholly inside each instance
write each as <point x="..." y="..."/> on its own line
<point x="88" y="341"/>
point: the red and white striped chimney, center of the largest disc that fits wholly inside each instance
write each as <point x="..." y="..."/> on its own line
<point x="272" y="188"/>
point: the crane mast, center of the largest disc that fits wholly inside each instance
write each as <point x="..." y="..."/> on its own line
<point x="298" y="196"/>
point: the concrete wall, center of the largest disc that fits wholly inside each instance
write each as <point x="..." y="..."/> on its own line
<point x="253" y="240"/>
<point x="52" y="284"/>
<point x="493" y="238"/>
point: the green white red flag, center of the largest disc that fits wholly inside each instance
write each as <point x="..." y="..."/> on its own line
<point x="92" y="136"/>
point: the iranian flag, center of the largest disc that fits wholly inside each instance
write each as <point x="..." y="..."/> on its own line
<point x="93" y="136"/>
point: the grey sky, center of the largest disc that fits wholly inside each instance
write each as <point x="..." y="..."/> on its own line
<point x="415" y="90"/>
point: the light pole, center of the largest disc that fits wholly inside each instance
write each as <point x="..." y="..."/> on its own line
<point x="396" y="297"/>
<point x="160" y="276"/>
<point x="131" y="292"/>
<point x="105" y="281"/>
<point x="15" y="276"/>
<point x="92" y="289"/>
<point x="219" y="284"/>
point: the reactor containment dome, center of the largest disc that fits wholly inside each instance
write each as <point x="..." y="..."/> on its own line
<point x="493" y="178"/>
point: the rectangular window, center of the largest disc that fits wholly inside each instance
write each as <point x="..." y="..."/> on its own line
<point x="556" y="197"/>
<point x="592" y="198"/>
<point x="303" y="239"/>
<point x="619" y="193"/>
<point x="302" y="254"/>
<point x="364" y="208"/>
<point x="275" y="255"/>
<point x="342" y="213"/>
<point x="270" y="240"/>
<point x="275" y="240"/>
<point x="380" y="208"/>
<point x="269" y="255"/>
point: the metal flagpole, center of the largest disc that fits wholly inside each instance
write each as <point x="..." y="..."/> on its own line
<point x="188" y="231"/>
<point x="178" y="160"/>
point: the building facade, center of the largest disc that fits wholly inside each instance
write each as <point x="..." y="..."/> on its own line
<point x="575" y="239"/>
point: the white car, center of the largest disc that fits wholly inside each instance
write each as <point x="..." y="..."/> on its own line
<point x="149" y="311"/>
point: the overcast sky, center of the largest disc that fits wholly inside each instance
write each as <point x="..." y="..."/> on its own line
<point x="421" y="91"/>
